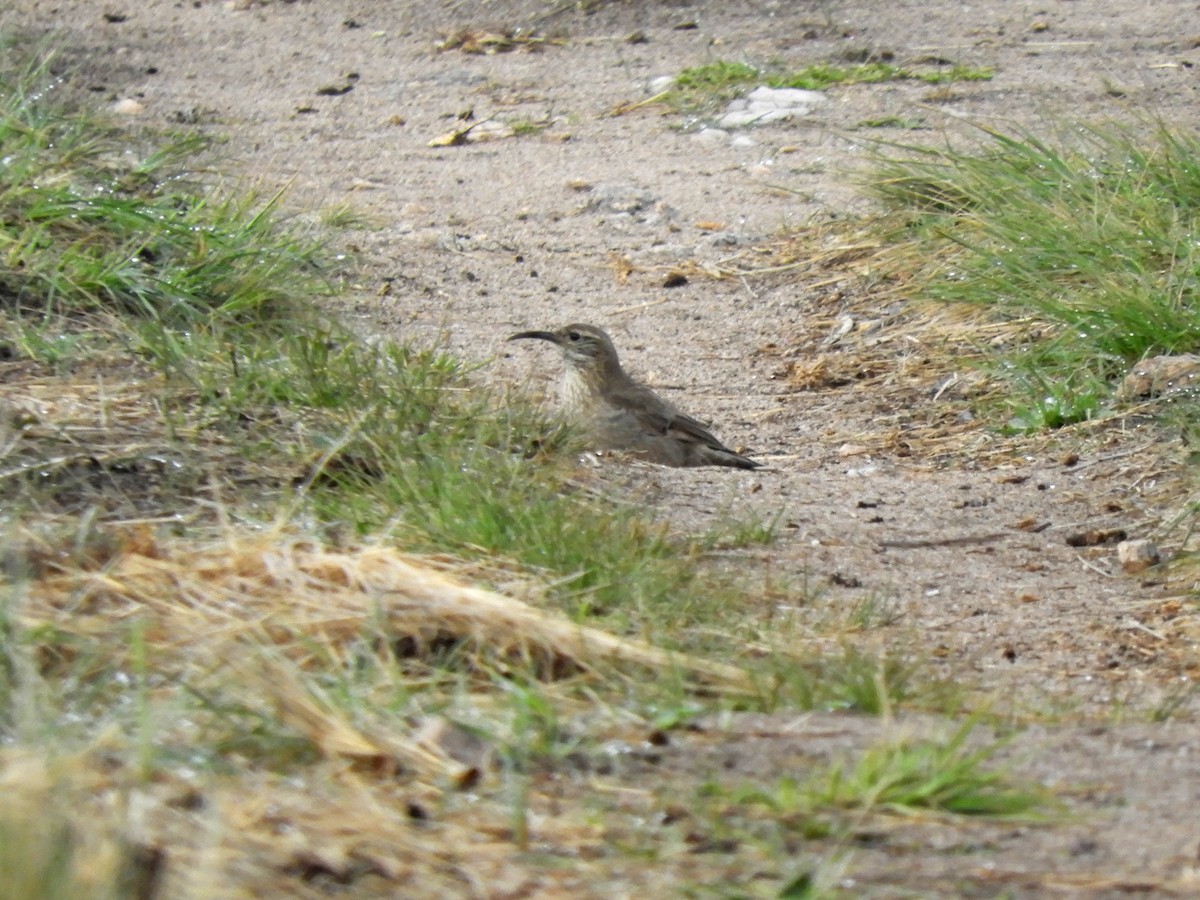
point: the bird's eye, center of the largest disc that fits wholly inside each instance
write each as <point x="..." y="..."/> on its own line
<point x="572" y="335"/>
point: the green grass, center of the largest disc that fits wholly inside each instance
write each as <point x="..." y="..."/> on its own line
<point x="907" y="123"/>
<point x="88" y="232"/>
<point x="733" y="532"/>
<point x="228" y="397"/>
<point x="840" y="802"/>
<point x="818" y="77"/>
<point x="1090" y="233"/>
<point x="526" y="127"/>
<point x="941" y="776"/>
<point x="711" y="84"/>
<point x="902" y="778"/>
<point x="715" y="83"/>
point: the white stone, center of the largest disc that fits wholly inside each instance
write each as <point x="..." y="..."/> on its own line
<point x="1137" y="555"/>
<point x="128" y="107"/>
<point x="739" y="118"/>
<point x="764" y="105"/>
<point x="743" y="140"/>
<point x="767" y="114"/>
<point x="786" y="97"/>
<point x="661" y="83"/>
<point x="736" y="119"/>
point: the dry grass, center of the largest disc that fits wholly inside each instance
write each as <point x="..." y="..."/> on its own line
<point x="211" y="633"/>
<point x="274" y="606"/>
<point x="867" y="331"/>
<point x="102" y="437"/>
<point x="332" y="826"/>
<point x="267" y="612"/>
<point x="201" y="604"/>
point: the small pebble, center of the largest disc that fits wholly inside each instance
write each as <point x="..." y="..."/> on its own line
<point x="128" y="107"/>
<point x="711" y="135"/>
<point x="1137" y="555"/>
<point x="1162" y="375"/>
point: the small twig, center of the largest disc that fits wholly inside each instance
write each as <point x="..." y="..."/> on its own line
<point x="948" y="542"/>
<point x="947" y="384"/>
<point x="630" y="107"/>
<point x="1095" y="568"/>
<point x="834" y="280"/>
<point x="1135" y="625"/>
<point x="639" y="306"/>
<point x="1111" y="456"/>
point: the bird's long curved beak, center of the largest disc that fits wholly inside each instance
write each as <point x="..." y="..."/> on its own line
<point x="539" y="335"/>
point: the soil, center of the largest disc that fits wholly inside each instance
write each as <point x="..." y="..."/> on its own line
<point x="966" y="544"/>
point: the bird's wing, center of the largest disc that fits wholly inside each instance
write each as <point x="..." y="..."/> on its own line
<point x="687" y="427"/>
<point x="677" y="425"/>
<point x="656" y="416"/>
<point x="639" y="409"/>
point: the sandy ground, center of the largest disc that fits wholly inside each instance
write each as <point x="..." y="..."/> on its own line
<point x="340" y="100"/>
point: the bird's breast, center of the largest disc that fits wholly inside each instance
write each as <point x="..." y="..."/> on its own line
<point x="577" y="393"/>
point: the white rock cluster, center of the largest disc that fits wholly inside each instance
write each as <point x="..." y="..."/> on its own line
<point x="766" y="104"/>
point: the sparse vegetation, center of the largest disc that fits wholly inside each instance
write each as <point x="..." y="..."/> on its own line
<point x="904" y="777"/>
<point x="525" y="127"/>
<point x="209" y="490"/>
<point x="908" y="123"/>
<point x="235" y="538"/>
<point x="944" y="776"/>
<point x="817" y="77"/>
<point x="1087" y="237"/>
<point x="143" y="273"/>
<point x="709" y="85"/>
<point x="846" y="802"/>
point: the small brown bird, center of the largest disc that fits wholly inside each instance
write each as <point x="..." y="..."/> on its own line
<point x="620" y="414"/>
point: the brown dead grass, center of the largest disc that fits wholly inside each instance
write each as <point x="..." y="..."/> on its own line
<point x="265" y="611"/>
<point x="110" y="435"/>
<point x="293" y="593"/>
<point x="328" y="827"/>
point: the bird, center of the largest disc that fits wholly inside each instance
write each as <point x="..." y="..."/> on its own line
<point x="621" y="415"/>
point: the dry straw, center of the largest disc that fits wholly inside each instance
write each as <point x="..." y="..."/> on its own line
<point x="267" y="610"/>
<point x="294" y="596"/>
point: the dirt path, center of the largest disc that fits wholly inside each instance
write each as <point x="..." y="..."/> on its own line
<point x="340" y="100"/>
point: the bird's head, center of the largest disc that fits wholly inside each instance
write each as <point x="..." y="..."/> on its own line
<point x="584" y="347"/>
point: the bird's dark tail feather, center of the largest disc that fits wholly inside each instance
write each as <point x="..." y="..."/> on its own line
<point x="722" y="456"/>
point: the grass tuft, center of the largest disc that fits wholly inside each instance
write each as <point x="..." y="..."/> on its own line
<point x="821" y="76"/>
<point x="711" y="84"/>
<point x="942" y="776"/>
<point x="901" y="777"/>
<point x="1090" y="234"/>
